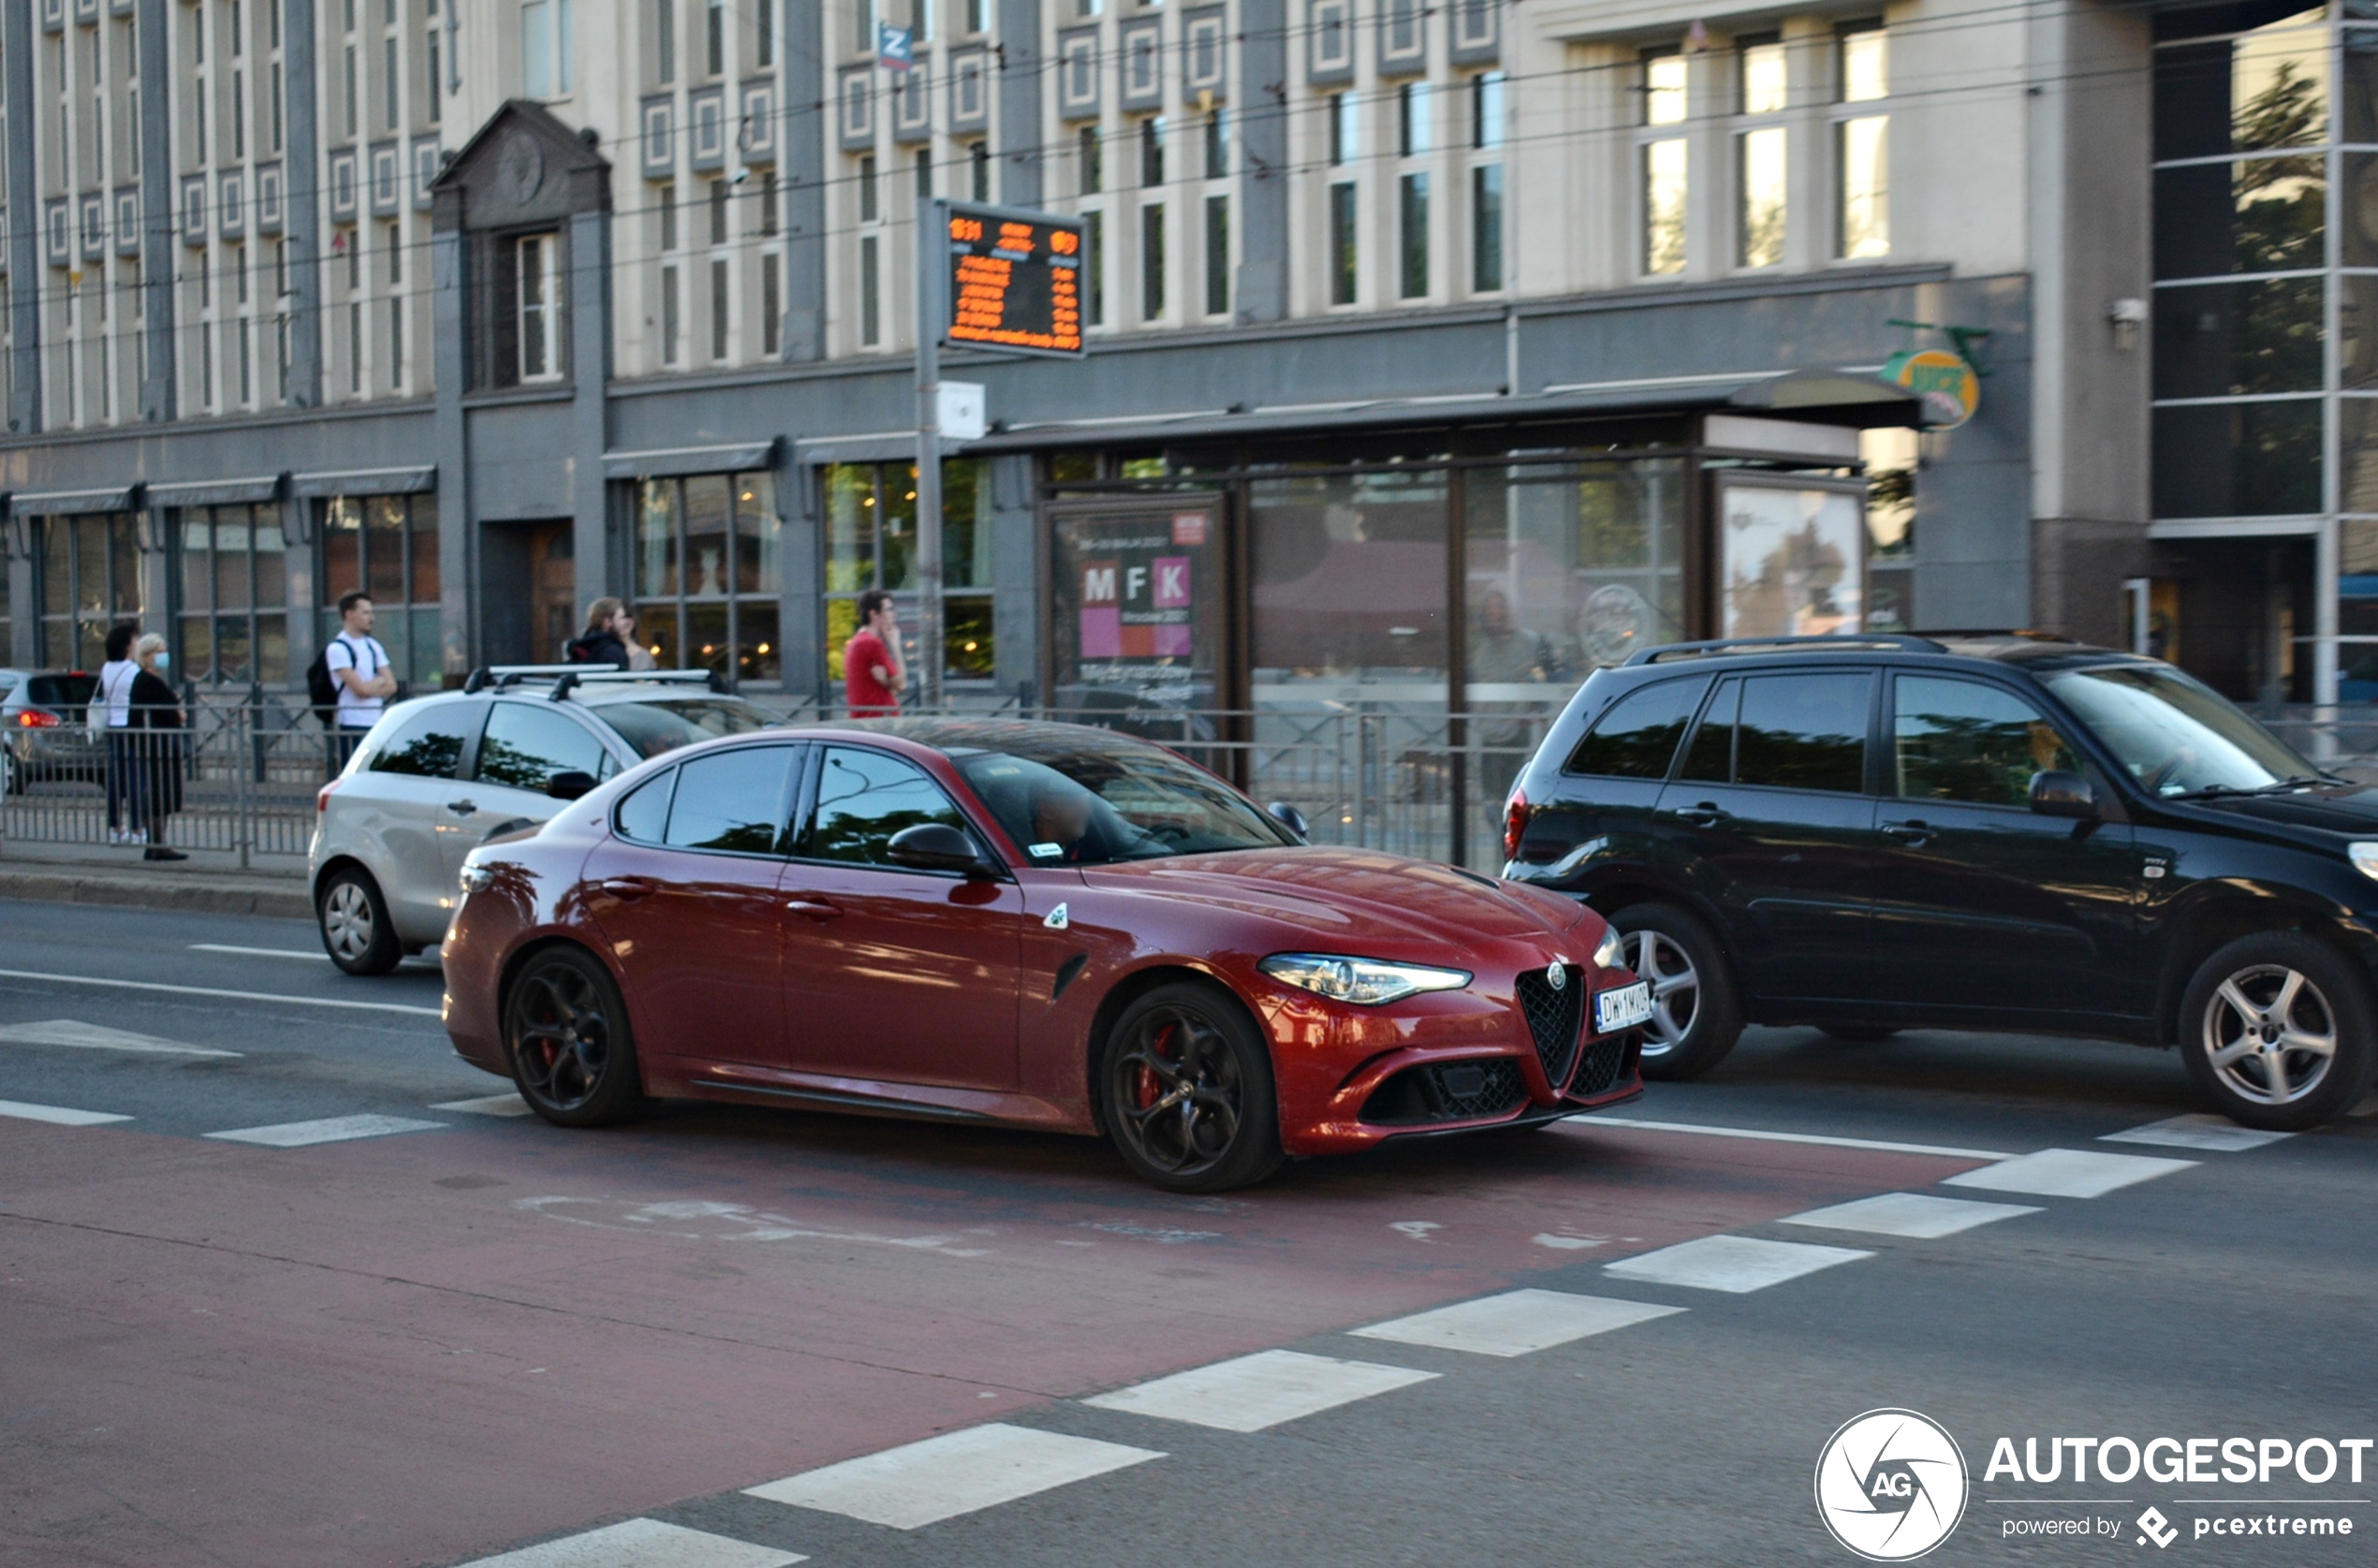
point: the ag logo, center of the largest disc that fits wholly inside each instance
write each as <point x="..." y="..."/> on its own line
<point x="1890" y="1485"/>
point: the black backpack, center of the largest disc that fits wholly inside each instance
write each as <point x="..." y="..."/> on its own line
<point x="320" y="689"/>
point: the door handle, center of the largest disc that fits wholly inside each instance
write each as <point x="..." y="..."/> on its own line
<point x="461" y="808"/>
<point x="629" y="888"/>
<point x="816" y="909"/>
<point x="1702" y="815"/>
<point x="1908" y="832"/>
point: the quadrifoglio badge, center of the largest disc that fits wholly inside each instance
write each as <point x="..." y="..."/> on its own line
<point x="1891" y="1485"/>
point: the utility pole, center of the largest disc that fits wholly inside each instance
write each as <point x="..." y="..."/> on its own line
<point x="933" y="312"/>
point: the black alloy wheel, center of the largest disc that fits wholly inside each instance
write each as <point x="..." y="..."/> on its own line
<point x="356" y="932"/>
<point x="1696" y="1015"/>
<point x="1187" y="1093"/>
<point x="2277" y="1030"/>
<point x="566" y="1029"/>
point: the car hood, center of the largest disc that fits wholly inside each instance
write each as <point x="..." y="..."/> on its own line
<point x="1348" y="896"/>
<point x="2346" y="810"/>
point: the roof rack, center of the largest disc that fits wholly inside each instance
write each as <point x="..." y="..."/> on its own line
<point x="501" y="676"/>
<point x="1902" y="641"/>
<point x="575" y="676"/>
<point x="2026" y="633"/>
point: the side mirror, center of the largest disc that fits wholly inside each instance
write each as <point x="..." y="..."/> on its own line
<point x="936" y="846"/>
<point x="2058" y="793"/>
<point x="1289" y="817"/>
<point x="570" y="785"/>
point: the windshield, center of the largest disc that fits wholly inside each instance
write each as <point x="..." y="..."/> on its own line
<point x="2175" y="735"/>
<point x="654" y="728"/>
<point x="1090" y="805"/>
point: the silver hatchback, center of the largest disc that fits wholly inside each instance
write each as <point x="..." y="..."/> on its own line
<point x="439" y="775"/>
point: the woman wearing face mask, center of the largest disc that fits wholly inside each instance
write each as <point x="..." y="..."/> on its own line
<point x="158" y="724"/>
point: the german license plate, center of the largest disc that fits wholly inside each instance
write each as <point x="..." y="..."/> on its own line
<point x="1622" y="1007"/>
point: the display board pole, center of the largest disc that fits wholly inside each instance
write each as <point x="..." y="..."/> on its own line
<point x="932" y="316"/>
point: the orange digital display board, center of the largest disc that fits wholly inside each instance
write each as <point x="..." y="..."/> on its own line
<point x="1014" y="281"/>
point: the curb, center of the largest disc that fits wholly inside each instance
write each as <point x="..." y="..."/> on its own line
<point x="285" y="897"/>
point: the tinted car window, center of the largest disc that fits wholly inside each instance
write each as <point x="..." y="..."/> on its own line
<point x="1965" y="741"/>
<point x="1784" y="731"/>
<point x="1637" y="739"/>
<point x="429" y="743"/>
<point x="644" y="814"/>
<point x="528" y="743"/>
<point x="654" y="728"/>
<point x="1803" y="731"/>
<point x="733" y="800"/>
<point x="864" y="798"/>
<point x="59" y="691"/>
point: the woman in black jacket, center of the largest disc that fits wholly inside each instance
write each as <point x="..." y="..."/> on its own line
<point x="158" y="724"/>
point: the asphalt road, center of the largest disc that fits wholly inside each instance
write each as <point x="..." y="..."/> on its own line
<point x="473" y="1333"/>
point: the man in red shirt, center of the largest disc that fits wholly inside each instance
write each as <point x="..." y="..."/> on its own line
<point x="872" y="676"/>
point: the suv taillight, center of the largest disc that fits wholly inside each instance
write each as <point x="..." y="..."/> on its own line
<point x="322" y="795"/>
<point x="1515" y="824"/>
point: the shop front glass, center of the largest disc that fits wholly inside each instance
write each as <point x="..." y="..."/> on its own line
<point x="87" y="577"/>
<point x="1136" y="614"/>
<point x="871" y="542"/>
<point x="708" y="575"/>
<point x="386" y="546"/>
<point x="233" y="615"/>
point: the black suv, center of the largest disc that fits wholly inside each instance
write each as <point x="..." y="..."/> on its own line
<point x="1966" y="831"/>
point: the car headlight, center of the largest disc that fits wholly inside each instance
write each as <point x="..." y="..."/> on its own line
<point x="2365" y="859"/>
<point x="1364" y="982"/>
<point x="1610" y="952"/>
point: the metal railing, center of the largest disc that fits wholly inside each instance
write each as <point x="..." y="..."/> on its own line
<point x="242" y="779"/>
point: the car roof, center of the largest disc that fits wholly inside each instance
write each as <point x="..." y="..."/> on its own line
<point x="2037" y="653"/>
<point x="957" y="735"/>
<point x="600" y="693"/>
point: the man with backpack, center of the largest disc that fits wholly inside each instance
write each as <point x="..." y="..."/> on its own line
<point x="350" y="680"/>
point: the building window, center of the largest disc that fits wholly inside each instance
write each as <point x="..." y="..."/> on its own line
<point x="1663" y="164"/>
<point x="1152" y="150"/>
<point x="86" y="578"/>
<point x="664" y="41"/>
<point x="232" y="574"/>
<point x="1217" y="256"/>
<point x="1412" y="219"/>
<point x="764" y="33"/>
<point x="1486" y="109"/>
<point x="715" y="38"/>
<point x="432" y="74"/>
<point x="1093" y="268"/>
<point x="1861" y="143"/>
<point x="870" y="298"/>
<point x="1345" y="128"/>
<point x="871" y="542"/>
<point x="869" y="207"/>
<point x="545" y="49"/>
<point x="718" y="229"/>
<point x="1089" y="160"/>
<point x="1217" y="140"/>
<point x="979" y="160"/>
<point x="386" y="547"/>
<point x="771" y="306"/>
<point x="1761" y="152"/>
<point x="720" y="299"/>
<point x="1151" y="261"/>
<point x="709" y="574"/>
<point x="1345" y="252"/>
<point x="1486" y="228"/>
<point x="924" y="164"/>
<point x="669" y="323"/>
<point x="1412" y="119"/>
<point x="540" y="307"/>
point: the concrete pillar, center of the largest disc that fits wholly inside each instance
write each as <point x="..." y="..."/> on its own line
<point x="302" y="196"/>
<point x="1262" y="291"/>
<point x="801" y="613"/>
<point x="1015" y="575"/>
<point x="808" y="110"/>
<point x="457" y="531"/>
<point x="1018" y="128"/>
<point x="160" y="385"/>
<point x="590" y="325"/>
<point x="25" y="271"/>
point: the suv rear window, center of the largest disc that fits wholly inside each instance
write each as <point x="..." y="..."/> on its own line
<point x="1636" y="737"/>
<point x="61" y="691"/>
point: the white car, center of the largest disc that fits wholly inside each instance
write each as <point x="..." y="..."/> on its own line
<point x="441" y="774"/>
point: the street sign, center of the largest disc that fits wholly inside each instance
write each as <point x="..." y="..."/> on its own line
<point x="1014" y="280"/>
<point x="961" y="414"/>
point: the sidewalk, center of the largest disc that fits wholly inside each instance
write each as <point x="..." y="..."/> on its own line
<point x="209" y="882"/>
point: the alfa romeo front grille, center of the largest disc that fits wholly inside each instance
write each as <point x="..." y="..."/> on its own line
<point x="1599" y="1072"/>
<point x="1553" y="1017"/>
<point x="1450" y="1091"/>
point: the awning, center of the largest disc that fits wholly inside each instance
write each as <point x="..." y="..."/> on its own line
<point x="664" y="462"/>
<point x="66" y="502"/>
<point x="409" y="480"/>
<point x="214" y="492"/>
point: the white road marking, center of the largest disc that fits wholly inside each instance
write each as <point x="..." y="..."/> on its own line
<point x="701" y="1221"/>
<point x="2217" y="1134"/>
<point x="642" y="1543"/>
<point x="1737" y="1265"/>
<point x="57" y="1115"/>
<point x="333" y="1129"/>
<point x="258" y="952"/>
<point x="1515" y="1323"/>
<point x="507" y="1103"/>
<point x="92" y="1036"/>
<point x="230" y="995"/>
<point x="1911" y="1214"/>
<point x="1252" y="1392"/>
<point x="2067" y="1173"/>
<point x="1568" y="1243"/>
<point x="958" y="1472"/>
<point x="1587" y="1124"/>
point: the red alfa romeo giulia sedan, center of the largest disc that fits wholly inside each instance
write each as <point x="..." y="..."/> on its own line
<point x="1038" y="925"/>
